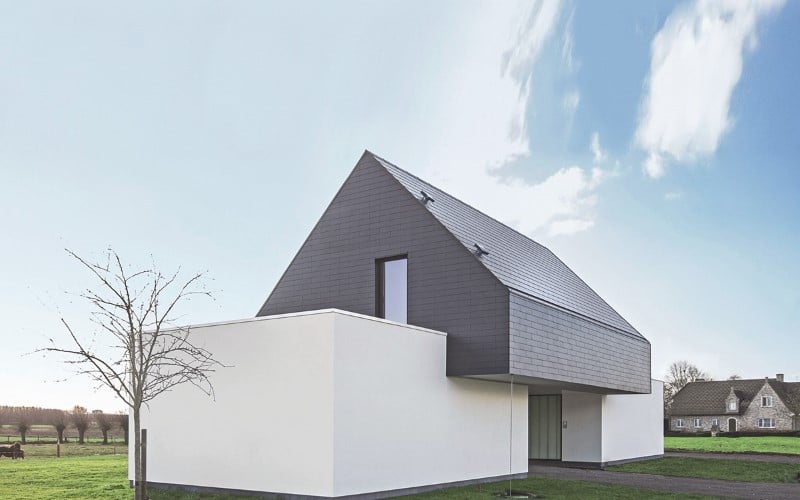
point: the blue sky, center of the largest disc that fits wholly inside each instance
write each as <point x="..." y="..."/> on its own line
<point x="652" y="146"/>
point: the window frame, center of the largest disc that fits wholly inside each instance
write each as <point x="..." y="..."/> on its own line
<point x="767" y="399"/>
<point x="762" y="423"/>
<point x="679" y="423"/>
<point x="732" y="405"/>
<point x="714" y="421"/>
<point x="697" y="423"/>
<point x="380" y="288"/>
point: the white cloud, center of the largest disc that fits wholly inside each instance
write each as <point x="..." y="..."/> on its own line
<point x="552" y="205"/>
<point x="571" y="101"/>
<point x="470" y="151"/>
<point x="654" y="165"/>
<point x="567" y="45"/>
<point x="696" y="62"/>
<point x="569" y="226"/>
<point x="531" y="34"/>
<point x="597" y="151"/>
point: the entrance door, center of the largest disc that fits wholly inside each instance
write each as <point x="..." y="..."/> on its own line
<point x="731" y="425"/>
<point x="544" y="427"/>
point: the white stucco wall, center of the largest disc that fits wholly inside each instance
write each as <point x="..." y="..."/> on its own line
<point x="400" y="422"/>
<point x="581" y="440"/>
<point x="271" y="425"/>
<point x="633" y="424"/>
<point x="330" y="403"/>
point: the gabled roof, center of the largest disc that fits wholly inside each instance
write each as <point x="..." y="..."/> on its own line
<point x="517" y="261"/>
<point x="708" y="397"/>
<point x="789" y="392"/>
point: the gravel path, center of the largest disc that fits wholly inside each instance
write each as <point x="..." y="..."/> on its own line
<point x="713" y="487"/>
<point x="755" y="457"/>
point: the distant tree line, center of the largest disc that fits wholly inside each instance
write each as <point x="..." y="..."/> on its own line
<point x="23" y="418"/>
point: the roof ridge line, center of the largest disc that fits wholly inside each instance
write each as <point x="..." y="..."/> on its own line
<point x="384" y="160"/>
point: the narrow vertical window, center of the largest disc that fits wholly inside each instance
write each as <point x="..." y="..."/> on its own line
<point x="391" y="288"/>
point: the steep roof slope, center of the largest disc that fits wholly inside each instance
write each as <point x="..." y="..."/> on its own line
<point x="516" y="260"/>
<point x="708" y="397"/>
<point x="789" y="392"/>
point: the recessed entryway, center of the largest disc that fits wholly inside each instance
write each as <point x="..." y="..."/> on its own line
<point x="544" y="427"/>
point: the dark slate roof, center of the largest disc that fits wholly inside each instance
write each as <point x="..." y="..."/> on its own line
<point x="516" y="260"/>
<point x="789" y="392"/>
<point x="708" y="397"/>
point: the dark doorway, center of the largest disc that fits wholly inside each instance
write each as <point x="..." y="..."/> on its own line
<point x="731" y="425"/>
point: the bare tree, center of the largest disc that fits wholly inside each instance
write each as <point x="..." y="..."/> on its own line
<point x="59" y="420"/>
<point x="79" y="417"/>
<point x="680" y="373"/>
<point x="735" y="377"/>
<point x="23" y="423"/>
<point x="123" y="420"/>
<point x="146" y="354"/>
<point x="104" y="423"/>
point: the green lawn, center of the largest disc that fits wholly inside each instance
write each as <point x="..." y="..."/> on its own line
<point x="552" y="489"/>
<point x="730" y="470"/>
<point x="762" y="444"/>
<point x="44" y="477"/>
<point x="542" y="487"/>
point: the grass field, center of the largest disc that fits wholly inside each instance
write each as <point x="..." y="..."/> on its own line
<point x="552" y="489"/>
<point x="85" y="472"/>
<point x="730" y="470"/>
<point x="72" y="477"/>
<point x="762" y="444"/>
<point x="542" y="487"/>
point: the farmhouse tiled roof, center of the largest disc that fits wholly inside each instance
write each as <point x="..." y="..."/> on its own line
<point x="789" y="392"/>
<point x="708" y="397"/>
<point x="517" y="261"/>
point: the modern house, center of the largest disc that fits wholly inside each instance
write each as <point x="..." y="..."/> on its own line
<point x="413" y="342"/>
<point x="762" y="405"/>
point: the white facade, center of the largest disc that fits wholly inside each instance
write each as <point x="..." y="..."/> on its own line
<point x="329" y="403"/>
<point x="633" y="425"/>
<point x="611" y="428"/>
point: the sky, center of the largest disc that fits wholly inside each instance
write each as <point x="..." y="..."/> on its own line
<point x="653" y="146"/>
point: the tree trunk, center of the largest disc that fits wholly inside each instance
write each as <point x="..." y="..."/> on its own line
<point x="60" y="435"/>
<point x="105" y="436"/>
<point x="80" y="436"/>
<point x="140" y="491"/>
<point x="22" y="435"/>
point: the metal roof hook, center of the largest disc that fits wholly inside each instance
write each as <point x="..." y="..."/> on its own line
<point x="480" y="252"/>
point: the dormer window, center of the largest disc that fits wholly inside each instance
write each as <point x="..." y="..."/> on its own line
<point x="732" y="405"/>
<point x="766" y="401"/>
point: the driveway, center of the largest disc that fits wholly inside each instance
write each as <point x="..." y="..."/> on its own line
<point x="712" y="487"/>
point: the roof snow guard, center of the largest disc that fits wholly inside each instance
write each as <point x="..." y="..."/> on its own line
<point x="520" y="263"/>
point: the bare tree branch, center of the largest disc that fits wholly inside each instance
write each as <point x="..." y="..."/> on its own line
<point x="146" y="355"/>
